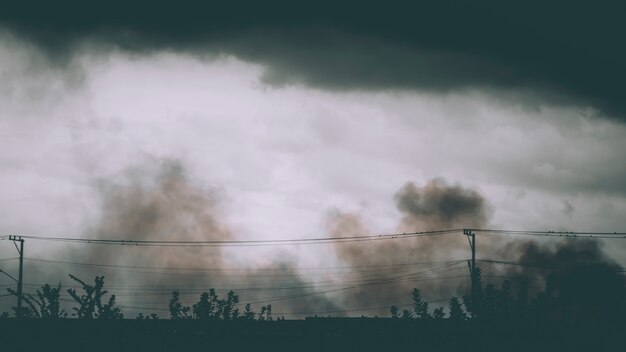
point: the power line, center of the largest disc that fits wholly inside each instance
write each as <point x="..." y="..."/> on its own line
<point x="603" y="266"/>
<point x="290" y="285"/>
<point x="374" y="282"/>
<point x="237" y="243"/>
<point x="240" y="269"/>
<point x="549" y="233"/>
<point x="320" y="240"/>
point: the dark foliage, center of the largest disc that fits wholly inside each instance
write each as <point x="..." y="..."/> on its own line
<point x="177" y="310"/>
<point x="248" y="314"/>
<point x="90" y="305"/>
<point x="420" y="307"/>
<point x="394" y="312"/>
<point x="456" y="310"/>
<point x="45" y="305"/>
<point x="266" y="313"/>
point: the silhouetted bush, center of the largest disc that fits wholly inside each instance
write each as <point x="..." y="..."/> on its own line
<point x="248" y="314"/>
<point x="456" y="310"/>
<point x="394" y="312"/>
<point x="420" y="307"/>
<point x="177" y="310"/>
<point x="266" y="313"/>
<point x="90" y="304"/>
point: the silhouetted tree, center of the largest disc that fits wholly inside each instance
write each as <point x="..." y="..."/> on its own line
<point x="456" y="311"/>
<point x="29" y="311"/>
<point x="204" y="309"/>
<point x="108" y="310"/>
<point x="474" y="301"/>
<point x="152" y="316"/>
<point x="266" y="313"/>
<point x="227" y="307"/>
<point x="438" y="313"/>
<point x="420" y="307"/>
<point x="45" y="305"/>
<point x="177" y="310"/>
<point x="407" y="314"/>
<point x="4" y="315"/>
<point x="248" y="314"/>
<point x="394" y="312"/>
<point x="90" y="302"/>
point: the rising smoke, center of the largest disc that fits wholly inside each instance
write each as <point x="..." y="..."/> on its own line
<point x="435" y="206"/>
<point x="576" y="270"/>
<point x="162" y="203"/>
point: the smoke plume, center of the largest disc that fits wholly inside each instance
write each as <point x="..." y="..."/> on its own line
<point x="576" y="271"/>
<point x="163" y="203"/>
<point x="434" y="206"/>
<point x="570" y="268"/>
<point x="438" y="206"/>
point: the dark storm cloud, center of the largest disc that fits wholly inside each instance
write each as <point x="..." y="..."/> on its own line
<point x="561" y="52"/>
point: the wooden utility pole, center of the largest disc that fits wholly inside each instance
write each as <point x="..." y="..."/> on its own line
<point x="471" y="237"/>
<point x="20" y="278"/>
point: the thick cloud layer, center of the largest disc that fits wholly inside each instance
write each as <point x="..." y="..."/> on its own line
<point x="563" y="52"/>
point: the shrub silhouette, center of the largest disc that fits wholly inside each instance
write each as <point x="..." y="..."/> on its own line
<point x="407" y="314"/>
<point x="90" y="304"/>
<point x="456" y="310"/>
<point x="248" y="314"/>
<point x="45" y="305"/>
<point x="438" y="313"/>
<point x="394" y="312"/>
<point x="266" y="313"/>
<point x="206" y="306"/>
<point x="228" y="312"/>
<point x="152" y="316"/>
<point x="210" y="306"/>
<point x="565" y="297"/>
<point x="177" y="310"/>
<point x="420" y="307"/>
<point x="474" y="301"/>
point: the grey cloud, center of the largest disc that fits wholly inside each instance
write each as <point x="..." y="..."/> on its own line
<point x="563" y="52"/>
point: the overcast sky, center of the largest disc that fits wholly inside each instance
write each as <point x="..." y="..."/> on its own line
<point x="287" y="117"/>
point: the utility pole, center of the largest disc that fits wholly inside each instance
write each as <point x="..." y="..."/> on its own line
<point x="471" y="238"/>
<point x="20" y="280"/>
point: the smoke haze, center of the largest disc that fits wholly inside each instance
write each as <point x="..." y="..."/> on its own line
<point x="436" y="205"/>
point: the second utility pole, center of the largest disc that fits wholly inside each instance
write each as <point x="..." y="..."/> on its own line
<point x="471" y="237"/>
